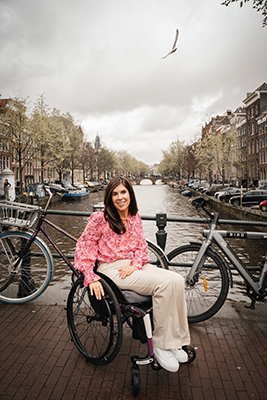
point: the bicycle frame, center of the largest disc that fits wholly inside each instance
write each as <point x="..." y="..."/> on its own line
<point x="40" y="228"/>
<point x="49" y="238"/>
<point x="216" y="236"/>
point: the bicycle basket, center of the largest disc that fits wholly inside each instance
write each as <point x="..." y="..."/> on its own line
<point x="18" y="214"/>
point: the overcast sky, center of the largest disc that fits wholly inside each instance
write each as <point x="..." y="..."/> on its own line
<point x="101" y="60"/>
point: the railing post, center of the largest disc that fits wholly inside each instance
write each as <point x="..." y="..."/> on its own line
<point x="161" y="234"/>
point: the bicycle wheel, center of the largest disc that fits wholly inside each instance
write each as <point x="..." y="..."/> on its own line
<point x="95" y="325"/>
<point x="156" y="255"/>
<point x="209" y="292"/>
<point x="34" y="271"/>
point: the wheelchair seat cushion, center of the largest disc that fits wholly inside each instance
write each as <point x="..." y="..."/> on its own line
<point x="135" y="298"/>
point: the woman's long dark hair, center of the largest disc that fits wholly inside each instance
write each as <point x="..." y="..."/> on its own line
<point x="111" y="214"/>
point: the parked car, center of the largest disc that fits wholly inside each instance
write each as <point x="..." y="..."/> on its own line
<point x="203" y="186"/>
<point x="223" y="190"/>
<point x="212" y="190"/>
<point x="263" y="186"/>
<point x="187" y="193"/>
<point x="263" y="206"/>
<point x="194" y="183"/>
<point x="251" y="198"/>
<point x="224" y="197"/>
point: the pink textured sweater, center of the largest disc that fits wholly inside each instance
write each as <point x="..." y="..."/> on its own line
<point x="100" y="242"/>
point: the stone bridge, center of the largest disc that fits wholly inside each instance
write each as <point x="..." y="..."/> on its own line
<point x="153" y="179"/>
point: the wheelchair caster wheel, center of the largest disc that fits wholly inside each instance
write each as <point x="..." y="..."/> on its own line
<point x="135" y="380"/>
<point x="191" y="353"/>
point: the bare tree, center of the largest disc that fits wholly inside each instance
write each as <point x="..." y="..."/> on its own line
<point x="60" y="147"/>
<point x="258" y="5"/>
<point x="19" y="134"/>
<point x="88" y="161"/>
<point x="174" y="160"/>
<point x="41" y="129"/>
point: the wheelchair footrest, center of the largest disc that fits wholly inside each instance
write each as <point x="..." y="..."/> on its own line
<point x="136" y="360"/>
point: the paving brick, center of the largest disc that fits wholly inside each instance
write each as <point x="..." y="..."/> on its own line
<point x="40" y="362"/>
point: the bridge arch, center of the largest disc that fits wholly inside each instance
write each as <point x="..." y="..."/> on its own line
<point x="153" y="179"/>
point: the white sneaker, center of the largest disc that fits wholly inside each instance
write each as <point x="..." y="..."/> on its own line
<point x="180" y="355"/>
<point x="166" y="359"/>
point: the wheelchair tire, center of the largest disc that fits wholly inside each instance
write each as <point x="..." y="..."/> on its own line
<point x="135" y="380"/>
<point x="191" y="352"/>
<point x="95" y="325"/>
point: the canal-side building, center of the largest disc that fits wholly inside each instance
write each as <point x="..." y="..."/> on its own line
<point x="241" y="125"/>
<point x="255" y="105"/>
<point x="247" y="166"/>
<point x="262" y="129"/>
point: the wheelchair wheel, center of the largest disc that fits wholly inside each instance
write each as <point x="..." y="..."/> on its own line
<point x="191" y="353"/>
<point x="135" y="380"/>
<point x="95" y="325"/>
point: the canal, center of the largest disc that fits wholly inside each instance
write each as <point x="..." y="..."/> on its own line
<point x="151" y="199"/>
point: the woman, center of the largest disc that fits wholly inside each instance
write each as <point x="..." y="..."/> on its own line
<point x="6" y="189"/>
<point x="116" y="239"/>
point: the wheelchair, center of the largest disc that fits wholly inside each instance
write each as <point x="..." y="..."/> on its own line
<point x="96" y="326"/>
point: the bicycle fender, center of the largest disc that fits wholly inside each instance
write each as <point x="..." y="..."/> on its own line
<point x="164" y="256"/>
<point x="49" y="252"/>
<point x="225" y="263"/>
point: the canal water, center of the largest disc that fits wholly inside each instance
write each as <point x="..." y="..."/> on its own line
<point x="151" y="199"/>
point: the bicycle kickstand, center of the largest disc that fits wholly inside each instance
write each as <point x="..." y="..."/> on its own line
<point x="252" y="305"/>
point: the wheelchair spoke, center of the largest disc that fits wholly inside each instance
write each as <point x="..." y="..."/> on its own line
<point x="95" y="325"/>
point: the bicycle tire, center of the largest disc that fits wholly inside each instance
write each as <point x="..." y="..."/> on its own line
<point x="205" y="298"/>
<point x="95" y="325"/>
<point x="34" y="272"/>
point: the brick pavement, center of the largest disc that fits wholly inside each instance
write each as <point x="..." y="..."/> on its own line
<point x="39" y="362"/>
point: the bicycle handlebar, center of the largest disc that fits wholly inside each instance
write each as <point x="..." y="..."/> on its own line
<point x="202" y="202"/>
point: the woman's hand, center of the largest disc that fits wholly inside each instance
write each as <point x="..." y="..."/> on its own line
<point x="96" y="289"/>
<point x="127" y="270"/>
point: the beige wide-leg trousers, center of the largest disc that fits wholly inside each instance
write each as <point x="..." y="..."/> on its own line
<point x="166" y="287"/>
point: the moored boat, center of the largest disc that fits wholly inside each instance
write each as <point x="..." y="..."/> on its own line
<point x="75" y="195"/>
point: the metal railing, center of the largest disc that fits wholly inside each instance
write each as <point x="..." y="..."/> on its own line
<point x="161" y="220"/>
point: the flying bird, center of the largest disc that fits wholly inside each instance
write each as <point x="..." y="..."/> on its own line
<point x="174" y="44"/>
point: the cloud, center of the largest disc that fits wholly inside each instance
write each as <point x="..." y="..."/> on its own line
<point x="101" y="61"/>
